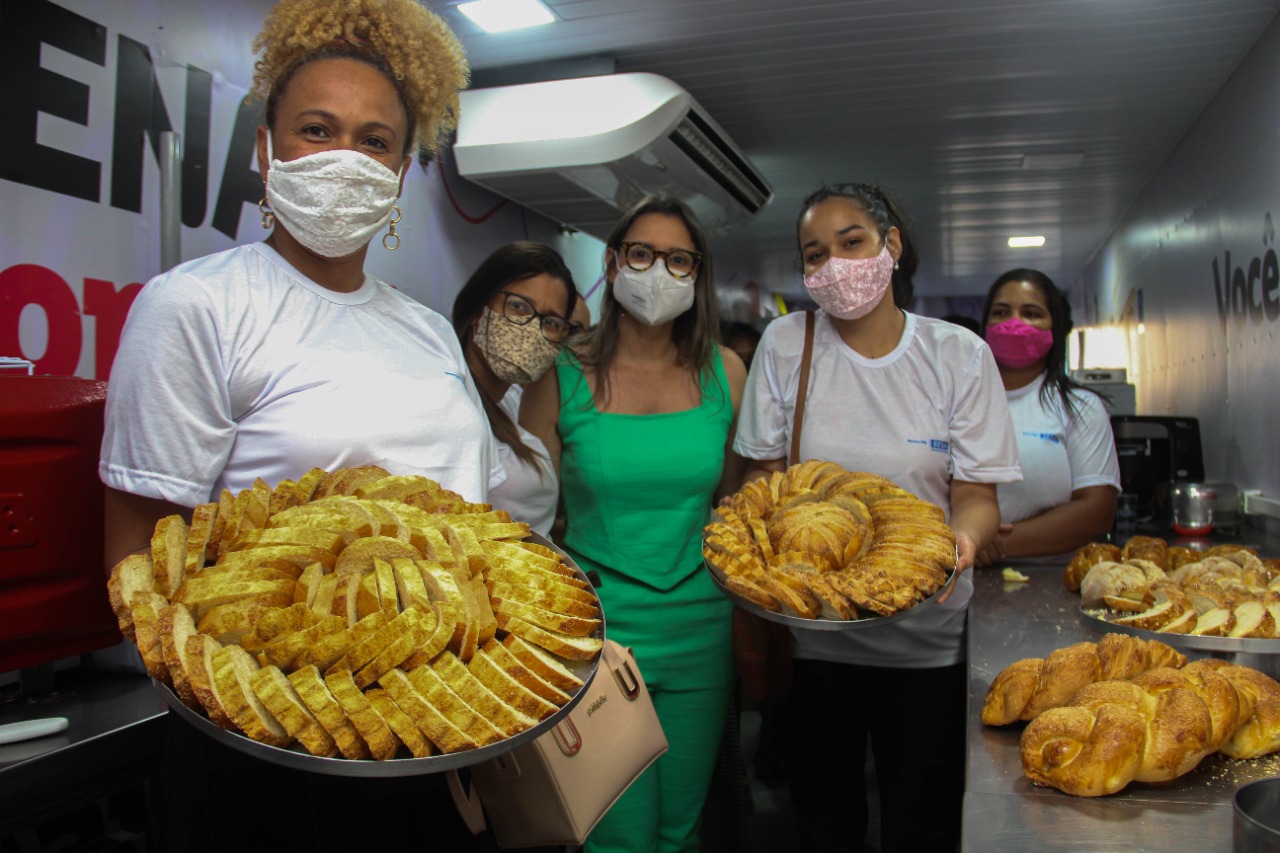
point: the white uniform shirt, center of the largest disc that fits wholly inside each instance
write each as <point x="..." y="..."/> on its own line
<point x="530" y="493"/>
<point x="236" y="366"/>
<point x="1059" y="453"/>
<point x="930" y="411"/>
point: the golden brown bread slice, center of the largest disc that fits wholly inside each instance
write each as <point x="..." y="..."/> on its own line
<point x="233" y="668"/>
<point x="430" y="541"/>
<point x="199" y="657"/>
<point x="203" y="520"/>
<point x="299" y="555"/>
<point x="537" y="580"/>
<point x="387" y="595"/>
<point x="395" y="487"/>
<point x="441" y="731"/>
<point x="514" y="553"/>
<point x="326" y="592"/>
<point x="176" y="626"/>
<point x="358" y="557"/>
<point x="408" y="580"/>
<point x="308" y="482"/>
<point x="283" y="496"/>
<point x="479" y="610"/>
<point x="146" y="623"/>
<point x="329" y="649"/>
<point x="548" y="599"/>
<point x="285" y="648"/>
<point x="273" y="623"/>
<point x="359" y="655"/>
<point x="400" y="723"/>
<point x="439" y="640"/>
<point x="543" y="663"/>
<point x="308" y="583"/>
<point x="573" y="648"/>
<point x="465" y="545"/>
<point x="226" y="503"/>
<point x="574" y="626"/>
<point x="375" y="731"/>
<point x="434" y="689"/>
<point x="1258" y="732"/>
<point x="502" y="657"/>
<point x="132" y="574"/>
<point x="278" y="592"/>
<point x="442" y="589"/>
<point x="502" y="685"/>
<point x="346" y="599"/>
<point x="315" y="694"/>
<point x="277" y="693"/>
<point x="315" y="537"/>
<point x="504" y="717"/>
<point x="169" y="553"/>
<point x="232" y="622"/>
<point x="417" y="631"/>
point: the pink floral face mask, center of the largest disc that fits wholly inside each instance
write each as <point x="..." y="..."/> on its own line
<point x="1016" y="343"/>
<point x="850" y="288"/>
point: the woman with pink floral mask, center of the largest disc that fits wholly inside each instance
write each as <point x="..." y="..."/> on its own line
<point x="917" y="400"/>
<point x="1071" y="476"/>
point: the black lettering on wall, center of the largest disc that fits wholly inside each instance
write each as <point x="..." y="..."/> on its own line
<point x="195" y="146"/>
<point x="1255" y="307"/>
<point x="1222" y="287"/>
<point x="140" y="117"/>
<point x="28" y="90"/>
<point x="241" y="183"/>
<point x="1270" y="283"/>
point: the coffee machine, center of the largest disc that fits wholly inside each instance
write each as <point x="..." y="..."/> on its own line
<point x="1156" y="449"/>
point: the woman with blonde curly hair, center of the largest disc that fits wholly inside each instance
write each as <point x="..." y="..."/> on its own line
<point x="272" y="358"/>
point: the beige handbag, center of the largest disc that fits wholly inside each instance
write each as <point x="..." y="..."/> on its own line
<point x="555" y="789"/>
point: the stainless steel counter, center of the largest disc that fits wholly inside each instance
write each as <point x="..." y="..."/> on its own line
<point x="112" y="740"/>
<point x="1003" y="811"/>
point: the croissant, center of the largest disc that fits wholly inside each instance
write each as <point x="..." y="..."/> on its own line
<point x="1029" y="687"/>
<point x="1085" y="559"/>
<point x="1154" y="728"/>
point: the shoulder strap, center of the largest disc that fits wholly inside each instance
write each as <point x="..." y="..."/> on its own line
<point x="806" y="358"/>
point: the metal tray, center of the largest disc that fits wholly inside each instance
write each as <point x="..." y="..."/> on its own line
<point x="1089" y="613"/>
<point x="869" y="622"/>
<point x="297" y="758"/>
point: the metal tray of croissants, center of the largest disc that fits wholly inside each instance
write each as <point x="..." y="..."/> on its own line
<point x="383" y="627"/>
<point x="817" y="547"/>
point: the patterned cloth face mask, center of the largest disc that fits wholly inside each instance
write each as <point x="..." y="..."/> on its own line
<point x="1016" y="343"/>
<point x="654" y="296"/>
<point x="332" y="202"/>
<point x="850" y="288"/>
<point x="516" y="354"/>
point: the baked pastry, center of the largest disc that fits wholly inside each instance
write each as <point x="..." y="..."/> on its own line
<point x="1085" y="559"/>
<point x="319" y="612"/>
<point x="1154" y="728"/>
<point x="817" y="541"/>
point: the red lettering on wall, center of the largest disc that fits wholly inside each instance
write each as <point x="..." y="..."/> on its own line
<point x="27" y="284"/>
<point x="110" y="307"/>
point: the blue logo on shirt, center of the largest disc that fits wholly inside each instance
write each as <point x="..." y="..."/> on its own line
<point x="920" y="441"/>
<point x="1044" y="436"/>
<point x="940" y="446"/>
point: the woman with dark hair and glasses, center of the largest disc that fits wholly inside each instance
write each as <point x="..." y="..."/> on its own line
<point x="512" y="317"/>
<point x="919" y="401"/>
<point x="638" y="421"/>
<point x="1071" y="475"/>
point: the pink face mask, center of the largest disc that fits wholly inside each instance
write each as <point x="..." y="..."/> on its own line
<point x="849" y="288"/>
<point x="1015" y="343"/>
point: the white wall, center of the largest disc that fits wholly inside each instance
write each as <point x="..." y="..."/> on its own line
<point x="1210" y="346"/>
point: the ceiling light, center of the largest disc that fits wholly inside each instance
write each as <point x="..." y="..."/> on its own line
<point x="1025" y="242"/>
<point x="496" y="16"/>
<point x="1053" y="161"/>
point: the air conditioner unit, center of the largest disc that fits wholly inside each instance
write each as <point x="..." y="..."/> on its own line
<point x="582" y="150"/>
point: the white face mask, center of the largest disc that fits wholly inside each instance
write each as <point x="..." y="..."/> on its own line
<point x="332" y="202"/>
<point x="654" y="296"/>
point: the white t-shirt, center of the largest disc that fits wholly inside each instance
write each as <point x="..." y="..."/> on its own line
<point x="930" y="411"/>
<point x="236" y="366"/>
<point x="530" y="492"/>
<point x="1059" y="453"/>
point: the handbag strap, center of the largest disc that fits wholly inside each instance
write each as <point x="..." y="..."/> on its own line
<point x="468" y="803"/>
<point x="806" y="359"/>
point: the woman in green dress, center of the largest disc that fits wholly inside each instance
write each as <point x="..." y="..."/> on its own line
<point x="639" y="423"/>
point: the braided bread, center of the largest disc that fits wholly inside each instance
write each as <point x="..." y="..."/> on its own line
<point x="1154" y="728"/>
<point x="1027" y="688"/>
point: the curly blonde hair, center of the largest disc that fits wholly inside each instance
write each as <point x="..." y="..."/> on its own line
<point x="414" y="47"/>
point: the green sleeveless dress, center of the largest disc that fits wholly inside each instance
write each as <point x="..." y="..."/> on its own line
<point x="638" y="489"/>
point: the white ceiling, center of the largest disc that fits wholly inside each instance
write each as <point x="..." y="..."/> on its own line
<point x="939" y="100"/>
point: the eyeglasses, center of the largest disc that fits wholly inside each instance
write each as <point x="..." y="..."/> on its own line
<point x="681" y="263"/>
<point x="519" y="310"/>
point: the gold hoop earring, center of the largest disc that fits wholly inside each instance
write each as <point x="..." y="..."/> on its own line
<point x="391" y="231"/>
<point x="268" y="216"/>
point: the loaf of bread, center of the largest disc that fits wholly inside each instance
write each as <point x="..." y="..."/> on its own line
<point x="1153" y="728"/>
<point x="1085" y="559"/>
<point x="319" y="612"/>
<point x="817" y="541"/>
<point x="1027" y="688"/>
